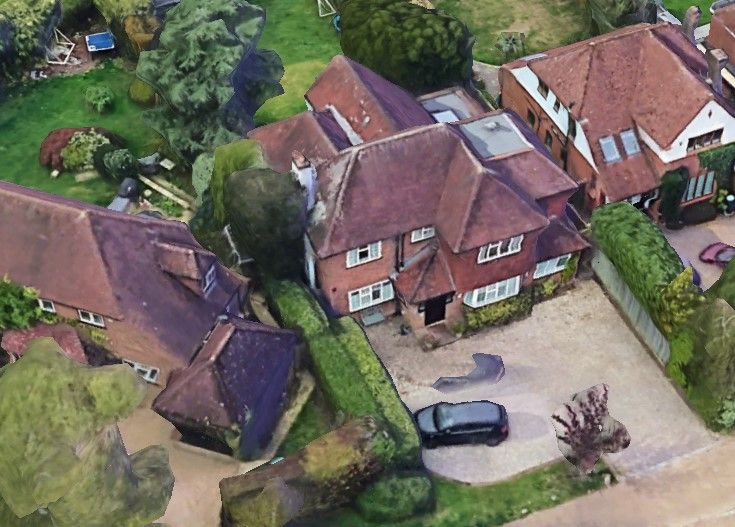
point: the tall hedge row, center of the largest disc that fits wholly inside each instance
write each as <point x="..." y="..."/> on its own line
<point x="350" y="374"/>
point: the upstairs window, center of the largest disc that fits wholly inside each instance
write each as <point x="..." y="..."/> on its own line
<point x="708" y="139"/>
<point x="543" y="89"/>
<point x="209" y="279"/>
<point x="499" y="249"/>
<point x="609" y="149"/>
<point x="47" y="305"/>
<point x="557" y="105"/>
<point x="572" y="125"/>
<point x="91" y="318"/>
<point x="424" y="233"/>
<point x="630" y="143"/>
<point x="149" y="373"/>
<point x="364" y="254"/>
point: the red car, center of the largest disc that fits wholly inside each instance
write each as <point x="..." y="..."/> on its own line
<point x="718" y="253"/>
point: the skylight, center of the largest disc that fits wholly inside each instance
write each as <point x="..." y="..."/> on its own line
<point x="609" y="149"/>
<point x="630" y="143"/>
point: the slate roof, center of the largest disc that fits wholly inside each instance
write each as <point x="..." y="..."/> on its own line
<point x="142" y="271"/>
<point x="16" y="341"/>
<point x="226" y="379"/>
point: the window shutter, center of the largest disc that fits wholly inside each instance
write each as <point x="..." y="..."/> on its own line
<point x="709" y="184"/>
<point x="700" y="186"/>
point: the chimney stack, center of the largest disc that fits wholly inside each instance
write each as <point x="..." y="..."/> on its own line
<point x="716" y="60"/>
<point x="306" y="175"/>
<point x="691" y="22"/>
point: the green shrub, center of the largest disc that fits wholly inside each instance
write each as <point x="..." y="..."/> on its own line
<point x="724" y="287"/>
<point x="118" y="9"/>
<point x="721" y="161"/>
<point x="119" y="164"/>
<point x="570" y="269"/>
<point x="639" y="251"/>
<point x="99" y="98"/>
<point x="19" y="308"/>
<point x="395" y="498"/>
<point x="142" y="93"/>
<point x="673" y="185"/>
<point x="681" y="346"/>
<point x="678" y="302"/>
<point x="296" y="308"/>
<point x="501" y="312"/>
<point x="201" y="174"/>
<point x="545" y="289"/>
<point x="166" y="205"/>
<point x="24" y="22"/>
<point x="726" y="418"/>
<point x="229" y="158"/>
<point x="78" y="154"/>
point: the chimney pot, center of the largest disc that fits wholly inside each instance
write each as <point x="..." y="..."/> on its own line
<point x="300" y="160"/>
<point x="716" y="61"/>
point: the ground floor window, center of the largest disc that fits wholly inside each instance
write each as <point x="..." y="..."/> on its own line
<point x="149" y="373"/>
<point x="700" y="186"/>
<point x="91" y="318"/>
<point x="370" y="295"/>
<point x="496" y="292"/>
<point x="551" y="266"/>
<point x="47" y="305"/>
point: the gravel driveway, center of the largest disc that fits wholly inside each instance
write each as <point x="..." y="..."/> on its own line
<point x="570" y="343"/>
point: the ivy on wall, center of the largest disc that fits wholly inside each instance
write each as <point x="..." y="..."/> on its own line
<point x="673" y="185"/>
<point x="721" y="160"/>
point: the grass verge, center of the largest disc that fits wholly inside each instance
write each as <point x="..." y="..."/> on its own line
<point x="679" y="7"/>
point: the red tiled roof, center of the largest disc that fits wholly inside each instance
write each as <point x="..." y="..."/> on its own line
<point x="16" y="341"/>
<point x="374" y="107"/>
<point x="559" y="238"/>
<point x="428" y="277"/>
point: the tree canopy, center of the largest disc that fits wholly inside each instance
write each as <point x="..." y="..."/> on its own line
<point x="19" y="307"/>
<point x="608" y="15"/>
<point x="416" y="48"/>
<point x="267" y="213"/>
<point x="210" y="74"/>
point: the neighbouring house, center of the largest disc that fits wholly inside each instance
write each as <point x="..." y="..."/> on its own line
<point x="721" y="35"/>
<point x="620" y="110"/>
<point x="426" y="206"/>
<point x="15" y="341"/>
<point x="145" y="283"/>
<point x="231" y="396"/>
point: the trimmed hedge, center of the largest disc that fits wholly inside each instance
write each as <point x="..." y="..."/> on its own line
<point x="396" y="498"/>
<point x="501" y="312"/>
<point x="349" y="372"/>
<point x="681" y="346"/>
<point x="639" y="251"/>
<point x="140" y="92"/>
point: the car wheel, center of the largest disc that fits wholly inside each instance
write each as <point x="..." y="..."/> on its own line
<point x="431" y="445"/>
<point x="494" y="442"/>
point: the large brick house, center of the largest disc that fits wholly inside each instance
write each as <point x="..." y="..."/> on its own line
<point x="620" y="110"/>
<point x="420" y="205"/>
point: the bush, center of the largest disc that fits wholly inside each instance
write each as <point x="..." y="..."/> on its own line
<point x="229" y="158"/>
<point x="99" y="98"/>
<point x="678" y="302"/>
<point x="201" y="174"/>
<point x="117" y="164"/>
<point x="570" y="270"/>
<point x="681" y="346"/>
<point x="25" y="28"/>
<point x="720" y="160"/>
<point x="639" y="251"/>
<point x="19" y="308"/>
<point x="55" y="141"/>
<point x="501" y="312"/>
<point x="673" y="185"/>
<point x="726" y="418"/>
<point x="117" y="9"/>
<point x="79" y="153"/>
<point x="395" y="498"/>
<point x="545" y="289"/>
<point x="724" y="287"/>
<point x="142" y="93"/>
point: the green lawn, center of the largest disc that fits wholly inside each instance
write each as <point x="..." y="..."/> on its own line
<point x="305" y="42"/>
<point x="546" y="23"/>
<point x="33" y="110"/>
<point x="679" y="7"/>
<point x="469" y="506"/>
<point x="314" y="421"/>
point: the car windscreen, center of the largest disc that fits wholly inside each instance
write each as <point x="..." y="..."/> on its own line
<point x="456" y="415"/>
<point x="726" y="254"/>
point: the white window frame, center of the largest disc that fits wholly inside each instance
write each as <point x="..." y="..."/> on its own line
<point x="491" y="293"/>
<point x="149" y="373"/>
<point x="424" y="233"/>
<point x="698" y="186"/>
<point x="514" y="246"/>
<point x="374" y="252"/>
<point x="551" y="266"/>
<point x="610" y="140"/>
<point x="630" y="142"/>
<point x="445" y="116"/>
<point x="364" y="297"/>
<point x="90" y="318"/>
<point x="210" y="278"/>
<point x="46" y="305"/>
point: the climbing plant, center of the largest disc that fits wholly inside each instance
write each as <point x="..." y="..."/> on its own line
<point x="673" y="185"/>
<point x="721" y="160"/>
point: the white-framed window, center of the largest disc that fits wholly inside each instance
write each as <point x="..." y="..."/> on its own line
<point x="47" y="305"/>
<point x="700" y="186"/>
<point x="366" y="253"/>
<point x="210" y="278"/>
<point x="496" y="292"/>
<point x="445" y="116"/>
<point x="551" y="266"/>
<point x="149" y="373"/>
<point x="609" y="149"/>
<point x="424" y="233"/>
<point x="370" y="295"/>
<point x="91" y="318"/>
<point x="630" y="143"/>
<point x="499" y="249"/>
<point x="708" y="139"/>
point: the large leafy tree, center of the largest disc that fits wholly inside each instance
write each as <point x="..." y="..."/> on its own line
<point x="267" y="214"/>
<point x="19" y="306"/>
<point x="416" y="48"/>
<point x="210" y="74"/>
<point x="608" y="15"/>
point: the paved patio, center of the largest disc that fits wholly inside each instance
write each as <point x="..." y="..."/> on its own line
<point x="570" y="343"/>
<point x="691" y="240"/>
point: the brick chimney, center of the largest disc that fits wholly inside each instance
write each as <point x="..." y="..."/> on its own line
<point x="691" y="22"/>
<point x="306" y="176"/>
<point x="716" y="60"/>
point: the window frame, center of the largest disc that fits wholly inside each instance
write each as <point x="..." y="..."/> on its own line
<point x="511" y="249"/>
<point x="531" y="118"/>
<point x="697" y="187"/>
<point x="512" y="287"/>
<point x="149" y="374"/>
<point x="611" y="139"/>
<point x="557" y="105"/>
<point x="549" y="269"/>
<point x="543" y="89"/>
<point x="52" y="309"/>
<point x="698" y="142"/>
<point x="369" y="291"/>
<point x="419" y="235"/>
<point x="632" y="141"/>
<point x="209" y="279"/>
<point x="370" y="257"/>
<point x="91" y="320"/>
<point x="571" y="127"/>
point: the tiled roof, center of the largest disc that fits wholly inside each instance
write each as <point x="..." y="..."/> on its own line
<point x="427" y="277"/>
<point x="559" y="238"/>
<point x="16" y="341"/>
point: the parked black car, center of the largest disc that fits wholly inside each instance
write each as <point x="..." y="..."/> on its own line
<point x="462" y="423"/>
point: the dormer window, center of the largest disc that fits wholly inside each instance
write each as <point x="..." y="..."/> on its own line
<point x="424" y="233"/>
<point x="630" y="143"/>
<point x="364" y="254"/>
<point x="543" y="89"/>
<point x="209" y="279"/>
<point x="46" y="305"/>
<point x="495" y="250"/>
<point x="609" y="149"/>
<point x="557" y="105"/>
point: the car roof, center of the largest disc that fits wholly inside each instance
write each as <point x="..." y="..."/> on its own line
<point x="449" y="415"/>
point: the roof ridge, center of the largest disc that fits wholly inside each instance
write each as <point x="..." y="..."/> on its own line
<point x="351" y="63"/>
